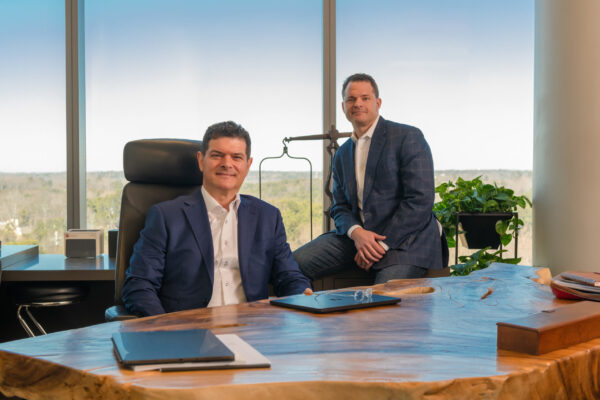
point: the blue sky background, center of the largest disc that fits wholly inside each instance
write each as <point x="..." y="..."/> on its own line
<point x="462" y="71"/>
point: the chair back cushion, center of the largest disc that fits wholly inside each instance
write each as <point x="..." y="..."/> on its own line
<point x="158" y="170"/>
<point x="162" y="161"/>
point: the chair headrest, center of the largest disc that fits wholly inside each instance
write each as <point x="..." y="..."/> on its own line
<point x="162" y="161"/>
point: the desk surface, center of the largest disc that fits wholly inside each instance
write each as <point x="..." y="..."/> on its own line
<point x="439" y="342"/>
<point x="57" y="267"/>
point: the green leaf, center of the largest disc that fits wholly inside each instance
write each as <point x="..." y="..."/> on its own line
<point x="502" y="197"/>
<point x="502" y="226"/>
<point x="451" y="241"/>
<point x="505" y="239"/>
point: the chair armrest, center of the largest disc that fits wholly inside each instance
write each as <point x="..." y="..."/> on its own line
<point x="117" y="313"/>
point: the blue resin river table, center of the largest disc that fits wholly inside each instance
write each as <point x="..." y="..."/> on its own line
<point x="438" y="343"/>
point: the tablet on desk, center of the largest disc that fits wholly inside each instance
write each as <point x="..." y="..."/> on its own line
<point x="194" y="345"/>
<point x="325" y="302"/>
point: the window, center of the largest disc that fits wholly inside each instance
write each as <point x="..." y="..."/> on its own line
<point x="462" y="72"/>
<point x="32" y="123"/>
<point x="171" y="69"/>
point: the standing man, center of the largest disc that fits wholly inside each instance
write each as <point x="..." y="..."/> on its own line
<point x="383" y="194"/>
<point x="214" y="247"/>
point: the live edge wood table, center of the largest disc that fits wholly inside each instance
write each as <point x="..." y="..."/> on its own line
<point x="439" y="343"/>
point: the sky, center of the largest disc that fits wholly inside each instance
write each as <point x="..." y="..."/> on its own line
<point x="461" y="71"/>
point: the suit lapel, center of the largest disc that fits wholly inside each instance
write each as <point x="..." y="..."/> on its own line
<point x="247" y="223"/>
<point x="197" y="216"/>
<point x="348" y="162"/>
<point x="377" y="143"/>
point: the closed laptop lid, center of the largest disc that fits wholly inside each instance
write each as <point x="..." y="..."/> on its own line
<point x="324" y="302"/>
<point x="135" y="348"/>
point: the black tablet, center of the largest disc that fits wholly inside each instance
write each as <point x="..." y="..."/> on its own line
<point x="324" y="302"/>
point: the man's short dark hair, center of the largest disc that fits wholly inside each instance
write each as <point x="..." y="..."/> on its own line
<point x="361" y="78"/>
<point x="226" y="129"/>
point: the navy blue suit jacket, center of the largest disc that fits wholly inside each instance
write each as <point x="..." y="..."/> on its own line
<point x="172" y="265"/>
<point x="398" y="196"/>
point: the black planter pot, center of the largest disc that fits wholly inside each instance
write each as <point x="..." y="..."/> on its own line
<point x="480" y="229"/>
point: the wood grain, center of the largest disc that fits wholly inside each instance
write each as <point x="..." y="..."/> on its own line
<point x="439" y="343"/>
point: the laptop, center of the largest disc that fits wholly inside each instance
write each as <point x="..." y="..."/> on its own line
<point x="193" y="345"/>
<point x="325" y="302"/>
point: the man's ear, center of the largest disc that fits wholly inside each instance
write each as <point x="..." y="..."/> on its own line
<point x="200" y="157"/>
<point x="250" y="162"/>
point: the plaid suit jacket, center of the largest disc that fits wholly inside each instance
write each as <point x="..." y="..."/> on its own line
<point x="399" y="192"/>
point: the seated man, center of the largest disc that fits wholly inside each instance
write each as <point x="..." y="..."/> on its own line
<point x="383" y="193"/>
<point x="213" y="247"/>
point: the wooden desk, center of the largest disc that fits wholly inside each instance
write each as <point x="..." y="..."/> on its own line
<point x="440" y="342"/>
<point x="57" y="267"/>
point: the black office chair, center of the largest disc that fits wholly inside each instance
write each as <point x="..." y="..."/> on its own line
<point x="157" y="170"/>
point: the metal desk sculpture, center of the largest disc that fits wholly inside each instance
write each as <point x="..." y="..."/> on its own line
<point x="332" y="135"/>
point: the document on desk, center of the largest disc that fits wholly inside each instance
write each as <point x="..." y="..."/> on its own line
<point x="246" y="356"/>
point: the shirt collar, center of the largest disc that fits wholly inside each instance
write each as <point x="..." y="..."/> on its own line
<point x="213" y="205"/>
<point x="368" y="133"/>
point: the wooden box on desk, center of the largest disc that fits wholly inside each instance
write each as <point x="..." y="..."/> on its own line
<point x="552" y="329"/>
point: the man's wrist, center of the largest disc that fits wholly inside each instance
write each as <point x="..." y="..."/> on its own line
<point x="352" y="229"/>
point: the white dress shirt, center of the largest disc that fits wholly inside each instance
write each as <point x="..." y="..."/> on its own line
<point x="227" y="284"/>
<point x="361" y="153"/>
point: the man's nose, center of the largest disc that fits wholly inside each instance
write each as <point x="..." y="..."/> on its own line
<point x="226" y="161"/>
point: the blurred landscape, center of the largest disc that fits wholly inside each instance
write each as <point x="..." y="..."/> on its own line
<point x="33" y="205"/>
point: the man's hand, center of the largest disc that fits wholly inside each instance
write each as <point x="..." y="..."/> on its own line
<point x="362" y="264"/>
<point x="308" y="291"/>
<point x="369" y="251"/>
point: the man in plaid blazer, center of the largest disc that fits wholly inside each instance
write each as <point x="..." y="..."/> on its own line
<point x="383" y="194"/>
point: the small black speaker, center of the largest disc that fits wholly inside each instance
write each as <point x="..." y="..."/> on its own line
<point x="113" y="236"/>
<point x="80" y="248"/>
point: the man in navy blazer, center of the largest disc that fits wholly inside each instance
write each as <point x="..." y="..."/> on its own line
<point x="383" y="194"/>
<point x="214" y="247"/>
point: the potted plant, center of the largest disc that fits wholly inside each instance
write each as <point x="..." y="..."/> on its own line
<point x="487" y="215"/>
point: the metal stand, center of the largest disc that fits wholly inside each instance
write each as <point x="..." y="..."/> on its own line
<point x="332" y="135"/>
<point x="285" y="152"/>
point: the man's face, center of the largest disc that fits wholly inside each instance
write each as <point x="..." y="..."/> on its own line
<point x="224" y="166"/>
<point x="360" y="105"/>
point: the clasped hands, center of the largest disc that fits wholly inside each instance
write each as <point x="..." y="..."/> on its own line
<point x="369" y="250"/>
